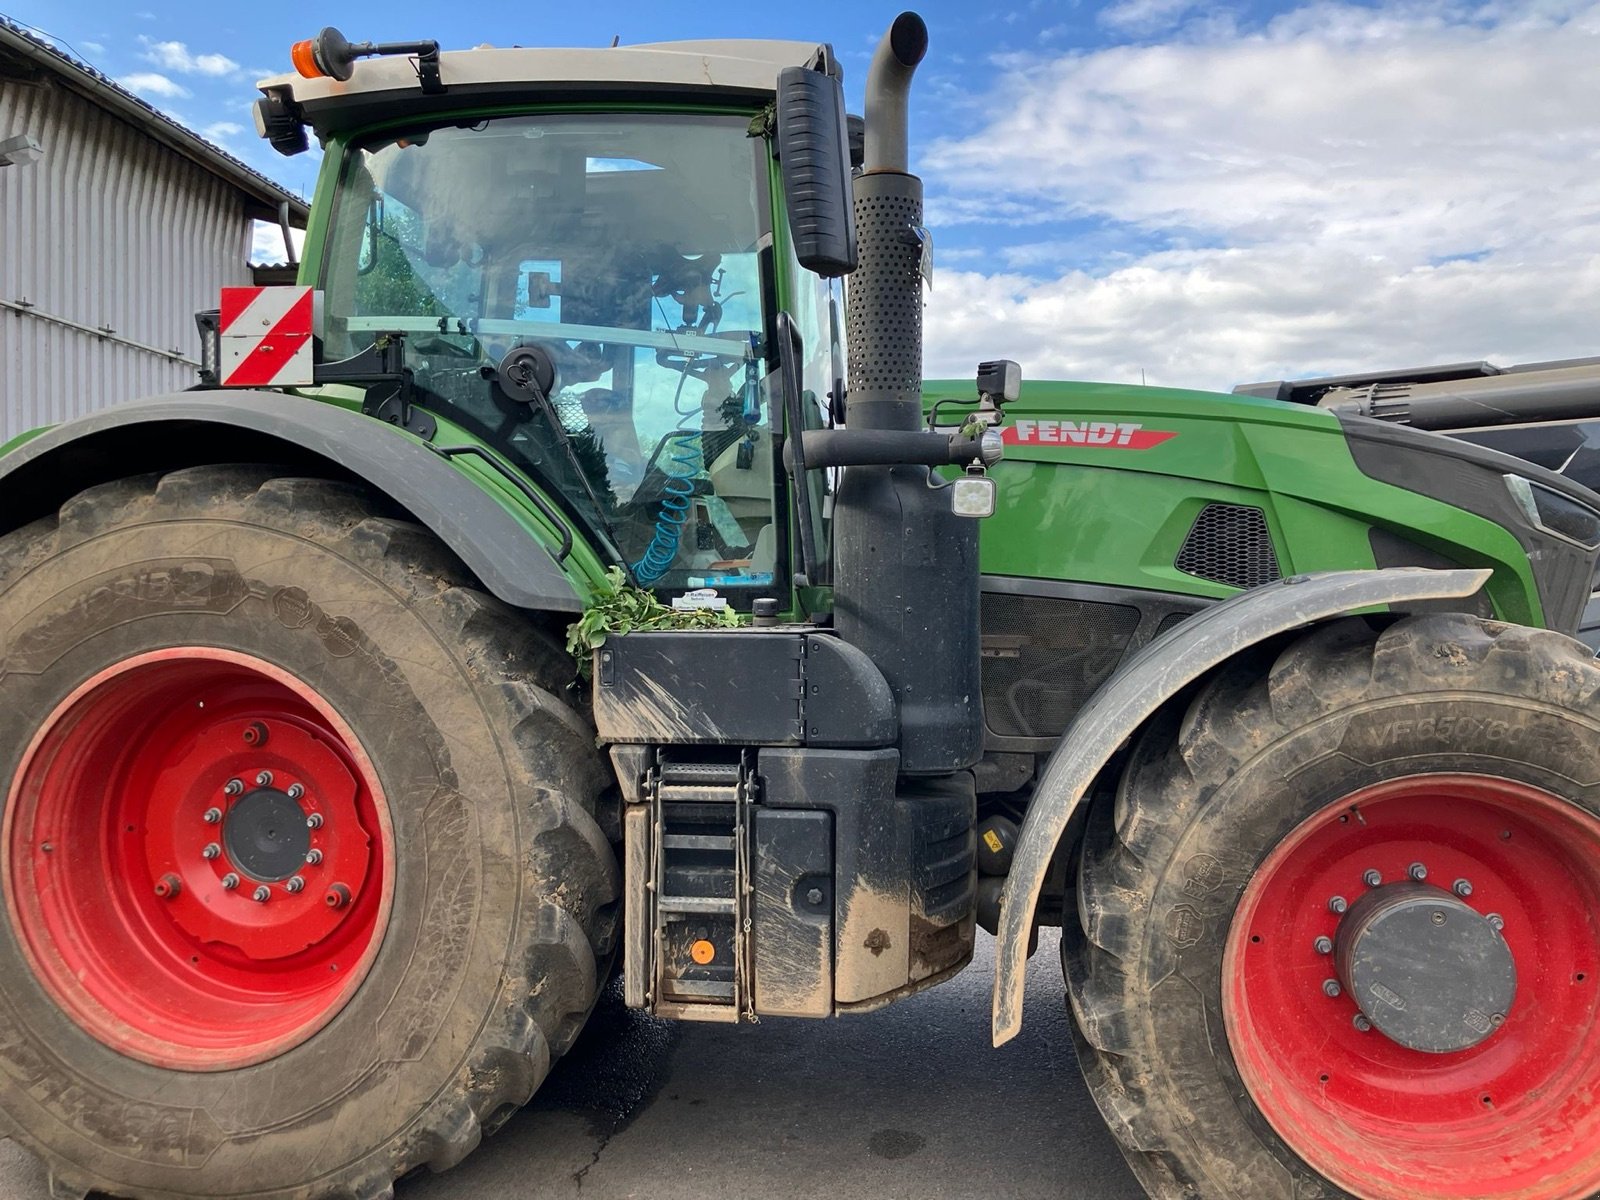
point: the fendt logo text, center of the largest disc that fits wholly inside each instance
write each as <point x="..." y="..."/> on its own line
<point x="1110" y="434"/>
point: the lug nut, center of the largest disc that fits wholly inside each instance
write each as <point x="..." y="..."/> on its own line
<point x="234" y="787"/>
<point x="337" y="896"/>
<point x="296" y="791"/>
<point x="230" y="881"/>
<point x="1417" y="872"/>
<point x="168" y="886"/>
<point x="314" y="821"/>
<point x="1462" y="888"/>
<point x="1323" y="945"/>
<point x="211" y="851"/>
<point x="255" y="734"/>
<point x="1361" y="1023"/>
<point x="295" y="884"/>
<point x="1372" y="877"/>
<point x="1331" y="988"/>
<point x="264" y="779"/>
<point x="262" y="894"/>
<point x="1337" y="904"/>
<point x="814" y="896"/>
<point x="313" y="857"/>
<point x="1497" y="922"/>
<point x="213" y="815"/>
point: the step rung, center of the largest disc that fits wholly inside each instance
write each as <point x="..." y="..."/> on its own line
<point x="710" y="989"/>
<point x="698" y="841"/>
<point x="716" y="773"/>
<point x="704" y="793"/>
<point x="696" y="904"/>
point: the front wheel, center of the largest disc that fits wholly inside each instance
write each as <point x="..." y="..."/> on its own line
<point x="1340" y="934"/>
<point x="303" y="883"/>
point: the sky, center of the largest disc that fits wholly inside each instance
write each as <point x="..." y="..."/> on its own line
<point x="1187" y="195"/>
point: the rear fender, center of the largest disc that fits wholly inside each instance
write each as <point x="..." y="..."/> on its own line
<point x="194" y="428"/>
<point x="1152" y="677"/>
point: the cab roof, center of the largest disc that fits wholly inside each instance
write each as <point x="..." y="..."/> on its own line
<point x="384" y="88"/>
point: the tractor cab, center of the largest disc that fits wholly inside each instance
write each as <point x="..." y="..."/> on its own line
<point x="591" y="291"/>
<point x="582" y="292"/>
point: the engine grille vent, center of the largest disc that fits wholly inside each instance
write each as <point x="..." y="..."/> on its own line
<point x="1044" y="657"/>
<point x="1230" y="544"/>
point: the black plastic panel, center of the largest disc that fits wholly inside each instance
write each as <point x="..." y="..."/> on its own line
<point x="744" y="687"/>
<point x="904" y="873"/>
<point x="792" y="913"/>
<point x="1472" y="478"/>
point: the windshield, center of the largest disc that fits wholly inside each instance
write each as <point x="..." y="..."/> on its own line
<point x="624" y="250"/>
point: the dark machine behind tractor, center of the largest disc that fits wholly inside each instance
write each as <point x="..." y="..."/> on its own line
<point x="318" y="846"/>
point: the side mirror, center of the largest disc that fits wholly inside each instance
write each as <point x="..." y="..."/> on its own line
<point x="814" y="153"/>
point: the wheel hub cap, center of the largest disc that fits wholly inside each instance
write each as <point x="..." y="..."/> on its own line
<point x="1425" y="968"/>
<point x="265" y="834"/>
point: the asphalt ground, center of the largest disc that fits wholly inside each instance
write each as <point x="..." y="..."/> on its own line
<point x="909" y="1102"/>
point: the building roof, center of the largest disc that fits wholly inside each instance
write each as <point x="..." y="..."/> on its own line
<point x="27" y="56"/>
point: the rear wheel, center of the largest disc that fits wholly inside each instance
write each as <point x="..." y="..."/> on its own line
<point x="1340" y="934"/>
<point x="303" y="882"/>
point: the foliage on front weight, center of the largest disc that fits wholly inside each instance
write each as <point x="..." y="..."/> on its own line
<point x="624" y="607"/>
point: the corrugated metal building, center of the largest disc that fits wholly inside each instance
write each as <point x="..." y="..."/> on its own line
<point x="112" y="235"/>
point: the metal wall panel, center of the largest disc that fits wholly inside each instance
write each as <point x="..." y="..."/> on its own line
<point x="109" y="230"/>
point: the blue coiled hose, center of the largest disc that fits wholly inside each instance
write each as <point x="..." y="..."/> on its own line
<point x="684" y="461"/>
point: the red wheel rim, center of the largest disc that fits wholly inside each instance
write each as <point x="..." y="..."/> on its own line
<point x="1512" y="1116"/>
<point x="197" y="856"/>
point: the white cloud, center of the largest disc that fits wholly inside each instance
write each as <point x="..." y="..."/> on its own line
<point x="176" y="56"/>
<point x="94" y="48"/>
<point x="153" y="84"/>
<point x="1380" y="187"/>
<point x="221" y="131"/>
<point x="1142" y="16"/>
<point x="266" y="242"/>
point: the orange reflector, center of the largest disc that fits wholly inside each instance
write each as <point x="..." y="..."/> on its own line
<point x="702" y="952"/>
<point x="304" y="57"/>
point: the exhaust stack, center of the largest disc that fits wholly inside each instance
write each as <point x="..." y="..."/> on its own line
<point x="906" y="567"/>
<point x="886" y="289"/>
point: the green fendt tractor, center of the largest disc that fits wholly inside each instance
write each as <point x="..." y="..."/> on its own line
<point x="316" y="851"/>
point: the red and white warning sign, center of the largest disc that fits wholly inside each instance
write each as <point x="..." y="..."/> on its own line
<point x="266" y="336"/>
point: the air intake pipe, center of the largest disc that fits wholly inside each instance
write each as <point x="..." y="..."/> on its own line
<point x="1559" y="394"/>
<point x="906" y="567"/>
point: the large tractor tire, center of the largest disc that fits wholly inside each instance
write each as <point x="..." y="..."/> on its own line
<point x="303" y="883"/>
<point x="1340" y="933"/>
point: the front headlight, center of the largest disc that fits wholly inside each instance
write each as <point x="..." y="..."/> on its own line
<point x="1554" y="513"/>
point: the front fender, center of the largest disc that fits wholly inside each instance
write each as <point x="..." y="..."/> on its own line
<point x="194" y="428"/>
<point x="1168" y="664"/>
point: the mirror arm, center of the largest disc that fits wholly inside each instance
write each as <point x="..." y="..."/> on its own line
<point x="790" y="349"/>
